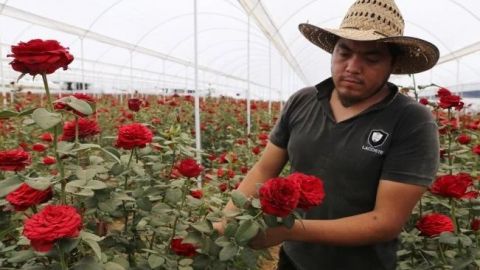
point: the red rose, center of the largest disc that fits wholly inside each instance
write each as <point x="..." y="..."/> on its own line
<point x="86" y="128"/>
<point x="46" y="137"/>
<point x="279" y="196"/>
<point x="423" y="101"/>
<point x="134" y="104"/>
<point x="443" y="92"/>
<point x="189" y="168"/>
<point x="14" y="160"/>
<point x="449" y="101"/>
<point x="256" y="150"/>
<point x="39" y="57"/>
<point x="24" y="196"/>
<point x="463" y="139"/>
<point x="87" y="98"/>
<point x="453" y="186"/>
<point x="311" y="190"/>
<point x="263" y="136"/>
<point x="38" y="147"/>
<point x="223" y="187"/>
<point x="434" y="224"/>
<point x="475" y="224"/>
<point x="52" y="223"/>
<point x="183" y="249"/>
<point x="49" y="160"/>
<point x="476" y="149"/>
<point x="133" y="135"/>
<point x="244" y="169"/>
<point x="196" y="193"/>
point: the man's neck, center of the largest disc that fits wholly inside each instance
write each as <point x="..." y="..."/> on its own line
<point x="342" y="113"/>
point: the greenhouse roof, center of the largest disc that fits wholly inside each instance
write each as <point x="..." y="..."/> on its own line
<point x="148" y="45"/>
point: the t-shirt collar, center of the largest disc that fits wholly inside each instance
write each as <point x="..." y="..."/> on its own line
<point x="325" y="89"/>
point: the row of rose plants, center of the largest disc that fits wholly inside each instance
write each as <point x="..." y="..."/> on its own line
<point x="444" y="228"/>
<point x="97" y="184"/>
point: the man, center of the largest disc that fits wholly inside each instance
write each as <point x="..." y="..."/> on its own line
<point x="375" y="149"/>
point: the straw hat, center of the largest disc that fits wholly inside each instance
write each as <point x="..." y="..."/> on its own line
<point x="379" y="20"/>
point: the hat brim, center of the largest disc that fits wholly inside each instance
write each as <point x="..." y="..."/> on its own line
<point x="415" y="55"/>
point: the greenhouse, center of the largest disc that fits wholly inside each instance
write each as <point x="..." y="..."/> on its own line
<point x="248" y="134"/>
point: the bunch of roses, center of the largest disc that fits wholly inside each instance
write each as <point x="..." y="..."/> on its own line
<point x="448" y="100"/>
<point x="281" y="196"/>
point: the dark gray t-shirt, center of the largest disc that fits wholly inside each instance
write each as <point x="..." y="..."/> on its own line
<point x="396" y="139"/>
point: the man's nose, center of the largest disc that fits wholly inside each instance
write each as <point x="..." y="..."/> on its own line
<point x="354" y="64"/>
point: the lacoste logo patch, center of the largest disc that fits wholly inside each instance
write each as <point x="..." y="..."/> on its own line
<point x="377" y="137"/>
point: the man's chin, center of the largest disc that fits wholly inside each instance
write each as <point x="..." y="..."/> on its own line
<point x="348" y="101"/>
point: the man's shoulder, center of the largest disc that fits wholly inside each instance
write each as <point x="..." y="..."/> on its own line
<point x="305" y="92"/>
<point x="413" y="110"/>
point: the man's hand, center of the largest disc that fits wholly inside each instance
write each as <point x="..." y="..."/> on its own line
<point x="269" y="238"/>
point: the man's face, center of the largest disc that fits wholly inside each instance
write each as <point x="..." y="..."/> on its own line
<point x="359" y="69"/>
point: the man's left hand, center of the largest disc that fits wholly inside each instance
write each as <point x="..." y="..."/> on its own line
<point x="269" y="238"/>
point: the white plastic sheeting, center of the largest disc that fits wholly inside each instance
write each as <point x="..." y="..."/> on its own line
<point x="148" y="45"/>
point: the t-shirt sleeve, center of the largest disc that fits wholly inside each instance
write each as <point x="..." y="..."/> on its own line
<point x="413" y="156"/>
<point x="280" y="132"/>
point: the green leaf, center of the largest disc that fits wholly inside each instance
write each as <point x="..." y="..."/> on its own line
<point x="173" y="195"/>
<point x="228" y="252"/>
<point x="76" y="104"/>
<point x="230" y="229"/>
<point x="239" y="199"/>
<point x="85" y="175"/>
<point x="7" y="114"/>
<point x="26" y="112"/>
<point x="87" y="263"/>
<point x="64" y="147"/>
<point x="95" y="160"/>
<point x="117" y="169"/>
<point x="86" y="235"/>
<point x="21" y="256"/>
<point x="256" y="203"/>
<point x="246" y="231"/>
<point x="222" y="241"/>
<point x="185" y="262"/>
<point x="94" y="246"/>
<point x="288" y="221"/>
<point x="68" y="244"/>
<point x="144" y="203"/>
<point x="40" y="183"/>
<point x="448" y="238"/>
<point x="46" y="119"/>
<point x="113" y="266"/>
<point x="8" y="185"/>
<point x="95" y="185"/>
<point x="203" y="226"/>
<point x="271" y="221"/>
<point x="155" y="261"/>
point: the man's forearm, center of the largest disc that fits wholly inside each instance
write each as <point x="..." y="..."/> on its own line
<point x="356" y="230"/>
